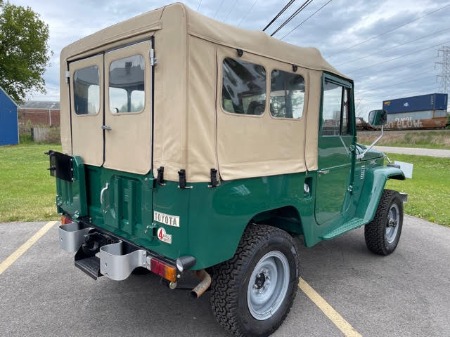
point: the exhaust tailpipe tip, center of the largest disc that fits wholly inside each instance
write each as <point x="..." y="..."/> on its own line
<point x="204" y="284"/>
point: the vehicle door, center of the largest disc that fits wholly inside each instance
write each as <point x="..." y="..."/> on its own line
<point x="111" y="118"/>
<point x="87" y="109"/>
<point x="111" y="109"/>
<point x="336" y="152"/>
<point x="128" y="122"/>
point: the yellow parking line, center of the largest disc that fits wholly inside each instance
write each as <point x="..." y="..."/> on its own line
<point x="328" y="310"/>
<point x="27" y="245"/>
<point x="318" y="300"/>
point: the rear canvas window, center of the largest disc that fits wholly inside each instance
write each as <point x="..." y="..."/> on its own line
<point x="244" y="87"/>
<point x="287" y="95"/>
<point x="127" y="85"/>
<point x="86" y="91"/>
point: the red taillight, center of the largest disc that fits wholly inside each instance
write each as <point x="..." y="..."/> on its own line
<point x="65" y="220"/>
<point x="163" y="270"/>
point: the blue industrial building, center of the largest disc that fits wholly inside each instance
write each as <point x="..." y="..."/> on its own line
<point x="9" y="124"/>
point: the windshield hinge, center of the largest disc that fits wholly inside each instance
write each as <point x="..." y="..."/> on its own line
<point x="153" y="59"/>
<point x="67" y="75"/>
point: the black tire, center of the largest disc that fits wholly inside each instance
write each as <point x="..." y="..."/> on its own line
<point x="383" y="233"/>
<point x="265" y="266"/>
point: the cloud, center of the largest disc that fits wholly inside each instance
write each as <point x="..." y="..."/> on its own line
<point x="389" y="48"/>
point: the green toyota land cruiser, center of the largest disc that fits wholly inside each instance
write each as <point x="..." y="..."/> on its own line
<point x="191" y="146"/>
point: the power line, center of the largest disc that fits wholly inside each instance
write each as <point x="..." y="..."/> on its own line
<point x="396" y="58"/>
<point x="301" y="8"/>
<point x="248" y="12"/>
<point x="424" y="85"/>
<point x="404" y="65"/>
<point x="231" y="9"/>
<point x="218" y="8"/>
<point x="279" y="13"/>
<point x="390" y="49"/>
<point x="397" y="85"/>
<point x="401" y="86"/>
<point x="417" y="78"/>
<point x="404" y="80"/>
<point x="390" y="31"/>
<point x="309" y="17"/>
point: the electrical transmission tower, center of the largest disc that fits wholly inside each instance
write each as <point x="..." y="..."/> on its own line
<point x="444" y="63"/>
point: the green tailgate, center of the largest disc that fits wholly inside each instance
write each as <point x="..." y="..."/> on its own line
<point x="210" y="220"/>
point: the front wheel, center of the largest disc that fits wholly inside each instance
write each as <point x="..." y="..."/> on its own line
<point x="253" y="292"/>
<point x="383" y="233"/>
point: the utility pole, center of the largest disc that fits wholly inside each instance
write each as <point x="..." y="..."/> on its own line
<point x="444" y="63"/>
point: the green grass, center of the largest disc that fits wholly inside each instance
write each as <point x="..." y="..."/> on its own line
<point x="428" y="190"/>
<point x="27" y="191"/>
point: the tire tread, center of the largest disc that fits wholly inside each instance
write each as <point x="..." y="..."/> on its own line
<point x="374" y="232"/>
<point x="225" y="287"/>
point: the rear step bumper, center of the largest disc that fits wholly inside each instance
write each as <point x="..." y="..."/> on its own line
<point x="111" y="262"/>
<point x="72" y="236"/>
<point x="101" y="254"/>
<point x="117" y="266"/>
<point x="90" y="265"/>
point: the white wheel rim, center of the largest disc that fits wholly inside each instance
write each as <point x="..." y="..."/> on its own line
<point x="268" y="285"/>
<point x="393" y="222"/>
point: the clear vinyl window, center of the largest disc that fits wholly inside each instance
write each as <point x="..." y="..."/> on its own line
<point x="126" y="85"/>
<point x="335" y="110"/>
<point x="86" y="90"/>
<point x="287" y="95"/>
<point x="243" y="87"/>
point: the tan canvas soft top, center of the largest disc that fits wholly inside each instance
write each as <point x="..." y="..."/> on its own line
<point x="256" y="42"/>
<point x="191" y="130"/>
<point x="200" y="26"/>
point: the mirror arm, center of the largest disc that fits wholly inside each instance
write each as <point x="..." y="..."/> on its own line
<point x="361" y="155"/>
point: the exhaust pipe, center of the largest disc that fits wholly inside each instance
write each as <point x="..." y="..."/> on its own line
<point x="200" y="289"/>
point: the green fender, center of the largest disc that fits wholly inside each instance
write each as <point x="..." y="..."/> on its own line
<point x="373" y="189"/>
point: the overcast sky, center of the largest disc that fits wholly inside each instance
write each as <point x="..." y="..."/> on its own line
<point x="390" y="48"/>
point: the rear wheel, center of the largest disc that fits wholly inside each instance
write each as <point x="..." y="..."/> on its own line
<point x="383" y="233"/>
<point x="253" y="292"/>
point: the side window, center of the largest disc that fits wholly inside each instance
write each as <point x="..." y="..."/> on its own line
<point x="345" y="127"/>
<point x="86" y="91"/>
<point x="335" y="110"/>
<point x="244" y="87"/>
<point x="127" y="85"/>
<point x="287" y="95"/>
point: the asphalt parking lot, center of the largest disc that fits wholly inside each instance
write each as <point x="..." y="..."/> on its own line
<point x="405" y="294"/>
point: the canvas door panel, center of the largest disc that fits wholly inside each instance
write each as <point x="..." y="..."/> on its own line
<point x="128" y="109"/>
<point x="87" y="109"/>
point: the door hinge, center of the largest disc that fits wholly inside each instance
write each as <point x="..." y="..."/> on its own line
<point x="153" y="59"/>
<point x="67" y="75"/>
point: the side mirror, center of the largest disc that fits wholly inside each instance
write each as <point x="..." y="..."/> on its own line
<point x="377" y="117"/>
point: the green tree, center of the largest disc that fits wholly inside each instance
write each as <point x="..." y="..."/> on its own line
<point x="24" y="50"/>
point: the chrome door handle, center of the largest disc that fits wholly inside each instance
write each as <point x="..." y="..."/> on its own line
<point x="106" y="127"/>
<point x="322" y="172"/>
<point x="102" y="192"/>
